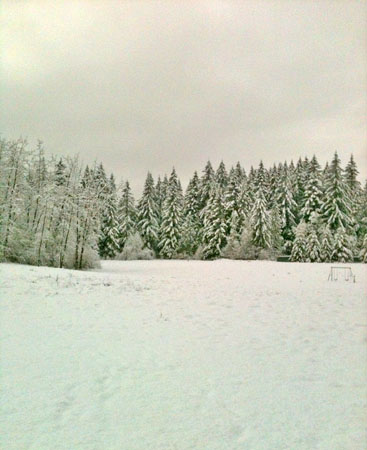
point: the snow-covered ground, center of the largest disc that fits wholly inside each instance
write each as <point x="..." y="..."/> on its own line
<point x="161" y="355"/>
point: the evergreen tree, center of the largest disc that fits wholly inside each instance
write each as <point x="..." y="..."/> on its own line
<point x="361" y="213"/>
<point x="215" y="227"/>
<point x="313" y="191"/>
<point x="160" y="191"/>
<point x="221" y="176"/>
<point x="351" y="176"/>
<point x="60" y="173"/>
<point x="275" y="229"/>
<point x="244" y="205"/>
<point x="232" y="199"/>
<point x="336" y="207"/>
<point x="148" y="215"/>
<point x="190" y="235"/>
<point x="108" y="244"/>
<point x="127" y="215"/>
<point x="260" y="218"/>
<point x="287" y="206"/>
<point x="232" y="248"/>
<point x="313" y="246"/>
<point x="363" y="252"/>
<point x="206" y="183"/>
<point x="299" y="252"/>
<point x="342" y="248"/>
<point x="327" y="244"/>
<point x="112" y="184"/>
<point x="171" y="218"/>
<point x="101" y="182"/>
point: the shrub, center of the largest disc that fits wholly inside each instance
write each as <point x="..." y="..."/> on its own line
<point x="134" y="249"/>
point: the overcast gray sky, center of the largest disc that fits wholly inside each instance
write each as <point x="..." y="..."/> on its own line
<point x="148" y="85"/>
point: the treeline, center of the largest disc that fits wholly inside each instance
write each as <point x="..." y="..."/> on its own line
<point x="58" y="213"/>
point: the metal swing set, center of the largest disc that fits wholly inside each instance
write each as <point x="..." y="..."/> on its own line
<point x="343" y="272"/>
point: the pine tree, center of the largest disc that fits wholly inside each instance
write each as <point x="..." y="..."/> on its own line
<point x="361" y="213"/>
<point x="221" y="176"/>
<point x="342" y="248"/>
<point x="232" y="199"/>
<point x="313" y="191"/>
<point x="275" y="229"/>
<point x="287" y="206"/>
<point x="313" y="246"/>
<point x="336" y="207"/>
<point x="232" y="248"/>
<point x="127" y="215"/>
<point x="108" y="244"/>
<point x="112" y="184"/>
<point x="301" y="178"/>
<point x="363" y="252"/>
<point x="244" y="205"/>
<point x="101" y="183"/>
<point x="60" y="173"/>
<point x="171" y="219"/>
<point x="327" y="244"/>
<point x="299" y="253"/>
<point x="215" y="227"/>
<point x="206" y="183"/>
<point x="260" y="218"/>
<point x="148" y="215"/>
<point x="190" y="233"/>
<point x="351" y="176"/>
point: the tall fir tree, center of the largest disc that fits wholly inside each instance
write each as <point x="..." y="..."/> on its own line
<point x="221" y="176"/>
<point x="147" y="220"/>
<point x="313" y="246"/>
<point x="206" y="183"/>
<point x="260" y="218"/>
<point x="127" y="215"/>
<point x="336" y="206"/>
<point x="108" y="243"/>
<point x="170" y="231"/>
<point x="287" y="206"/>
<point x="191" y="229"/>
<point x="327" y="244"/>
<point x="231" y="199"/>
<point x="351" y="176"/>
<point x="299" y="253"/>
<point x="313" y="191"/>
<point x="215" y="226"/>
<point x="342" y="248"/>
<point x="60" y="173"/>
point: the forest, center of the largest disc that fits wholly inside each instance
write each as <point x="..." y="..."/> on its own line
<point x="57" y="212"/>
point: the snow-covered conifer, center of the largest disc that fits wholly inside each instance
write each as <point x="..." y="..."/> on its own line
<point x="215" y="227"/>
<point x="206" y="182"/>
<point x="327" y="244"/>
<point x="108" y="244"/>
<point x="342" y="247"/>
<point x="287" y="205"/>
<point x="336" y="206"/>
<point x="299" y="252"/>
<point x="313" y="191"/>
<point x="363" y="251"/>
<point x="221" y="176"/>
<point x="148" y="215"/>
<point x="126" y="215"/>
<point x="313" y="246"/>
<point x="171" y="218"/>
<point x="260" y="218"/>
<point x="275" y="229"/>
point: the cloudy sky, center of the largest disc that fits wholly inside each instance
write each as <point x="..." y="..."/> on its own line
<point x="148" y="85"/>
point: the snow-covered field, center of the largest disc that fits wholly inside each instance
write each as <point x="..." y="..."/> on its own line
<point x="161" y="355"/>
